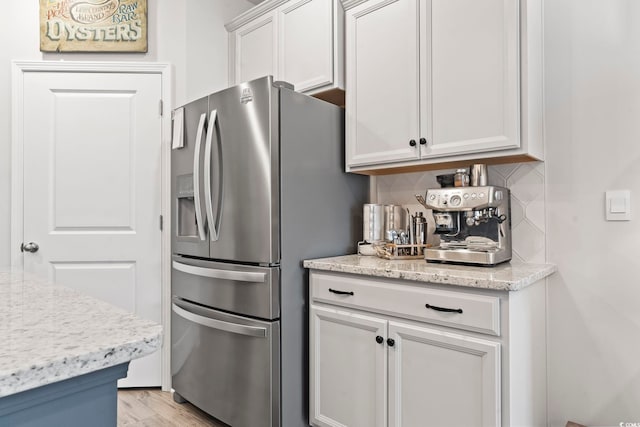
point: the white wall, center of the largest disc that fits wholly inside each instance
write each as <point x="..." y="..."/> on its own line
<point x="592" y="72"/>
<point x="189" y="34"/>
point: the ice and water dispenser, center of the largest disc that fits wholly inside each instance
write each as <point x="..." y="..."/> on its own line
<point x="187" y="221"/>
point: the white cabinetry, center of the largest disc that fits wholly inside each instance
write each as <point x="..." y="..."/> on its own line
<point x="441" y="378"/>
<point x="349" y="368"/>
<point x="297" y="41"/>
<point x="404" y="354"/>
<point x="255" y="51"/>
<point x="434" y="81"/>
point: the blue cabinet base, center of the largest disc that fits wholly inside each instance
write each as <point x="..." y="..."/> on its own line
<point x="89" y="399"/>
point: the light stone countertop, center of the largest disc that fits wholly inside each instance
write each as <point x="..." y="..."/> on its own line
<point x="510" y="276"/>
<point x="50" y="333"/>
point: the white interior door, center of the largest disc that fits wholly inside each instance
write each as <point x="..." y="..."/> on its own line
<point x="92" y="169"/>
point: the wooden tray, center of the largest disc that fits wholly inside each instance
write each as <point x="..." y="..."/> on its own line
<point x="394" y="251"/>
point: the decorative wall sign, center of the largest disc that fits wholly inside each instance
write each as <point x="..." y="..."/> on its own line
<point x="93" y="25"/>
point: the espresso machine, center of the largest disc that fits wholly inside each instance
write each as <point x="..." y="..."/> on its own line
<point x="473" y="224"/>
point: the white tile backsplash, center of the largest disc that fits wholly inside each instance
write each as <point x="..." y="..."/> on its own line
<point x="526" y="181"/>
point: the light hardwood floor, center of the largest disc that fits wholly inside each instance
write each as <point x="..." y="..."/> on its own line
<point x="155" y="408"/>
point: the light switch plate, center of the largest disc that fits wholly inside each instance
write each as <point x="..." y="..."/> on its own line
<point x="618" y="205"/>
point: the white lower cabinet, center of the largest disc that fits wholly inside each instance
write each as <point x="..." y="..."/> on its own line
<point x="442" y="379"/>
<point x="386" y="352"/>
<point x="348" y="368"/>
<point x="434" y="378"/>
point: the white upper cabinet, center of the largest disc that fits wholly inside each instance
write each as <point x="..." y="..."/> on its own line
<point x="382" y="82"/>
<point x="434" y="81"/>
<point x="255" y="52"/>
<point x="306" y="43"/>
<point x="469" y="70"/>
<point x="300" y="42"/>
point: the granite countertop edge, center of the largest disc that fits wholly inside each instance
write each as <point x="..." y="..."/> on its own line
<point x="40" y="374"/>
<point x="52" y="333"/>
<point x="511" y="276"/>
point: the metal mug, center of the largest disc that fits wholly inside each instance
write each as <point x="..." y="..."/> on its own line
<point x="478" y="173"/>
<point x="372" y="222"/>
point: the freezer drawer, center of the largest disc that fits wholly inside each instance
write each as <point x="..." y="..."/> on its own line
<point x="245" y="290"/>
<point x="227" y="365"/>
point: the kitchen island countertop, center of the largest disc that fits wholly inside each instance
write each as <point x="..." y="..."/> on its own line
<point x="50" y="333"/>
<point x="509" y="276"/>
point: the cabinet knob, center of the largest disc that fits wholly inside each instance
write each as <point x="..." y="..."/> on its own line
<point x="412" y="143"/>
<point x="379" y="339"/>
<point x="391" y="342"/>
<point x="423" y="141"/>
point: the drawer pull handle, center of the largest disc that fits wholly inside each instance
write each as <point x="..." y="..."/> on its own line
<point x="340" y="292"/>
<point x="446" y="310"/>
<point x="391" y="342"/>
<point x="379" y="339"/>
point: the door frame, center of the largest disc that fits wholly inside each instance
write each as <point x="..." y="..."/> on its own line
<point x="18" y="71"/>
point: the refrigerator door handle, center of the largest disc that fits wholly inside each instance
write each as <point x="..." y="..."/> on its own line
<point x="213" y="225"/>
<point x="238" y="276"/>
<point x="234" y="328"/>
<point x="196" y="177"/>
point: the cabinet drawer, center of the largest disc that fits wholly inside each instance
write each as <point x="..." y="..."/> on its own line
<point x="479" y="313"/>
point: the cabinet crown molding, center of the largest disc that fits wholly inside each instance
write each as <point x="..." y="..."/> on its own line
<point x="253" y="13"/>
<point x="350" y="4"/>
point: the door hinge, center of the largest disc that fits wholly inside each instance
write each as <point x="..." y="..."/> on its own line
<point x="161" y="222"/>
<point x="161" y="108"/>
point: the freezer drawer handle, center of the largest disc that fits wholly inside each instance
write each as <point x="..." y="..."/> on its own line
<point x="234" y="328"/>
<point x="238" y="276"/>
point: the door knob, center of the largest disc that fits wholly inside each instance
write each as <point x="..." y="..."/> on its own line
<point x="29" y="247"/>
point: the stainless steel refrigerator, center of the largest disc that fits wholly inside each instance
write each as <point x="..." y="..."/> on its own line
<point x="257" y="187"/>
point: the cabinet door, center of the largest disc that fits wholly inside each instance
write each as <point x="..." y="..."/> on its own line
<point x="382" y="82"/>
<point x="442" y="379"/>
<point x="347" y="369"/>
<point x="306" y="43"/>
<point x="470" y="68"/>
<point x="256" y="49"/>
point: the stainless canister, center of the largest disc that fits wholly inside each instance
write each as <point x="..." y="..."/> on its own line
<point x="478" y="174"/>
<point x="372" y="222"/>
<point x="395" y="218"/>
<point x="419" y="228"/>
